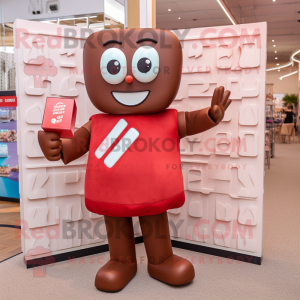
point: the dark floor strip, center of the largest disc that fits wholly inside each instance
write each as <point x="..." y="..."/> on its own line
<point x="10" y="257"/>
<point x="10" y="226"/>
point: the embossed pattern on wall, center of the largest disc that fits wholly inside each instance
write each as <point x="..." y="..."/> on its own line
<point x="52" y="194"/>
<point x="223" y="168"/>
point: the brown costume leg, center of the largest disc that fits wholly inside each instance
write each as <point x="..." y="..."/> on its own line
<point x="122" y="266"/>
<point x="162" y="263"/>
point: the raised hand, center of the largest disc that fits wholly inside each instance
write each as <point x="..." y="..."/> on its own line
<point x="219" y="103"/>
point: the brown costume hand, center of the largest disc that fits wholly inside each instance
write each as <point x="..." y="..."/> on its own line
<point x="50" y="144"/>
<point x="219" y="103"/>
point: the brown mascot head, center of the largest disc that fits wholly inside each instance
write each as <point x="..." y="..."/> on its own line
<point x="132" y="71"/>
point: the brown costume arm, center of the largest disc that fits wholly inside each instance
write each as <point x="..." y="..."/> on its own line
<point x="78" y="146"/>
<point x="190" y="123"/>
<point x="55" y="148"/>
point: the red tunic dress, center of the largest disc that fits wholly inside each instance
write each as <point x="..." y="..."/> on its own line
<point x="134" y="165"/>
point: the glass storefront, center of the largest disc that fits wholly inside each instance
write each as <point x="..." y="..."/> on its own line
<point x="96" y="21"/>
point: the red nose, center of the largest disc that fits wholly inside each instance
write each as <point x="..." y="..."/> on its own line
<point x="128" y="78"/>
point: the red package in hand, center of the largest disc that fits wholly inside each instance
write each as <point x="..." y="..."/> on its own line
<point x="60" y="116"/>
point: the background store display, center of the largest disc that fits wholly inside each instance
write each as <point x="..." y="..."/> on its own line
<point x="3" y="150"/>
<point x="9" y="168"/>
<point x="278" y="101"/>
<point x="7" y="135"/>
<point x="5" y="115"/>
<point x="271" y="125"/>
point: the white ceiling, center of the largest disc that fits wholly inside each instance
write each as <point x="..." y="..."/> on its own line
<point x="281" y="16"/>
<point x="206" y="12"/>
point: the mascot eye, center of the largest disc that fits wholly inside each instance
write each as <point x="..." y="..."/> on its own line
<point x="145" y="64"/>
<point x="113" y="66"/>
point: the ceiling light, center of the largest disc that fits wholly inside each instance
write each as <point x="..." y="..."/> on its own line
<point x="278" y="70"/>
<point x="274" y="45"/>
<point x="296" y="60"/>
<point x="291" y="63"/>
<point x="226" y="12"/>
<point x="288" y="75"/>
<point x="274" y="0"/>
<point x="169" y="9"/>
<point x="277" y="64"/>
<point x="48" y="21"/>
<point x="97" y="25"/>
<point x="71" y="19"/>
<point x="276" y="57"/>
<point x="275" y="51"/>
<point x="280" y="67"/>
<point x="179" y="18"/>
<point x="273" y="41"/>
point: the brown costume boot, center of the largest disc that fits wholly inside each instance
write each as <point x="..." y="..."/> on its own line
<point x="162" y="263"/>
<point x="122" y="266"/>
